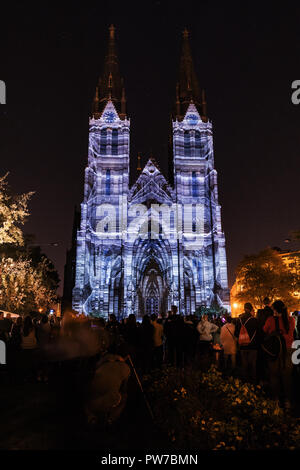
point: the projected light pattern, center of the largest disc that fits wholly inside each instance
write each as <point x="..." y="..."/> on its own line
<point x="128" y="269"/>
<point x="144" y="248"/>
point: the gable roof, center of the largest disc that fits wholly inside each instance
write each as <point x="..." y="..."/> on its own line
<point x="151" y="185"/>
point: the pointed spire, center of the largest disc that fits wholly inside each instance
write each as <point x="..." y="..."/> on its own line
<point x="188" y="87"/>
<point x="110" y="81"/>
<point x="123" y="104"/>
<point x="139" y="168"/>
<point x="96" y="101"/>
<point x="177" y="100"/>
<point x="110" y="84"/>
<point x="112" y="30"/>
<point x="203" y="106"/>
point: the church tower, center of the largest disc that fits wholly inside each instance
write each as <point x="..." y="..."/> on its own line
<point x="106" y="179"/>
<point x="203" y="266"/>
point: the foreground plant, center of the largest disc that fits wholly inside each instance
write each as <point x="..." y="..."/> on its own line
<point x="207" y="411"/>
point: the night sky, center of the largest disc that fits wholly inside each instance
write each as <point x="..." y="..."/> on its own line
<point x="246" y="56"/>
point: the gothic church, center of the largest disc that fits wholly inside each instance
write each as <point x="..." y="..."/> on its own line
<point x="143" y="248"/>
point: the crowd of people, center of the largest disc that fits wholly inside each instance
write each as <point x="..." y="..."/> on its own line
<point x="256" y="346"/>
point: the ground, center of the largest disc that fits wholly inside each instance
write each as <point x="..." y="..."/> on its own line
<point x="50" y="416"/>
<point x="43" y="416"/>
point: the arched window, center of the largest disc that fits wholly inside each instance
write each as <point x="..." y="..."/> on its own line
<point x="187" y="144"/>
<point x="114" y="142"/>
<point x="194" y="184"/>
<point x="194" y="218"/>
<point x="197" y="144"/>
<point x="107" y="183"/>
<point x="103" y="137"/>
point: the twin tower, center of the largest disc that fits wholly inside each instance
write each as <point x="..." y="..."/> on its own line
<point x="143" y="248"/>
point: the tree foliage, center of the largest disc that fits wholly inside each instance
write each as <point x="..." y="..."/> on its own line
<point x="13" y="213"/>
<point x="24" y="287"/>
<point x="265" y="275"/>
<point x="28" y="279"/>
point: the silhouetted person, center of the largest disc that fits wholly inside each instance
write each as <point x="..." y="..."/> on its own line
<point x="190" y="340"/>
<point x="247" y="333"/>
<point x="29" y="347"/>
<point x="146" y="334"/>
<point x="169" y="333"/>
<point x="16" y="334"/>
<point x="158" y="334"/>
<point x="43" y="331"/>
<point x="229" y="342"/>
<point x="113" y="327"/>
<point x="280" y="368"/>
<point x="131" y="337"/>
<point x="264" y="313"/>
<point x="5" y="323"/>
<point x="174" y="331"/>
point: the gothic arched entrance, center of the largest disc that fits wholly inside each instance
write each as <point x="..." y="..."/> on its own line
<point x="152" y="275"/>
<point x="152" y="288"/>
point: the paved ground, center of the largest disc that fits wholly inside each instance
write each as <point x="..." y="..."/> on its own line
<point x="50" y="416"/>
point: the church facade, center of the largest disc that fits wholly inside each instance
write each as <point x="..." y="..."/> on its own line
<point x="143" y="248"/>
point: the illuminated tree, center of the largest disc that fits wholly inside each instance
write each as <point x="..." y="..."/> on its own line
<point x="13" y="213"/>
<point x="28" y="279"/>
<point x="25" y="287"/>
<point x="265" y="275"/>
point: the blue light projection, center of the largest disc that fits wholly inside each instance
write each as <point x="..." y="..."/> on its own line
<point x="123" y="264"/>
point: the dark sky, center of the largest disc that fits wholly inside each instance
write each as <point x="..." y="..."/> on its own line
<point x="246" y="56"/>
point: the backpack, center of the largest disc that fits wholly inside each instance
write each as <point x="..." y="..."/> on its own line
<point x="244" y="338"/>
<point x="274" y="344"/>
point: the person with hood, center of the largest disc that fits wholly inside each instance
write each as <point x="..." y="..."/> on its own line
<point x="229" y="342"/>
<point x="248" y="337"/>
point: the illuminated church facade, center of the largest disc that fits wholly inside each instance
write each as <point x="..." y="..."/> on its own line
<point x="143" y="248"/>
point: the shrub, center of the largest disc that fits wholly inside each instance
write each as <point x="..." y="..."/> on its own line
<point x="206" y="411"/>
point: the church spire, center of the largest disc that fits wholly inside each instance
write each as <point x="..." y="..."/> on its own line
<point x="110" y="84"/>
<point x="187" y="88"/>
<point x="139" y="168"/>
